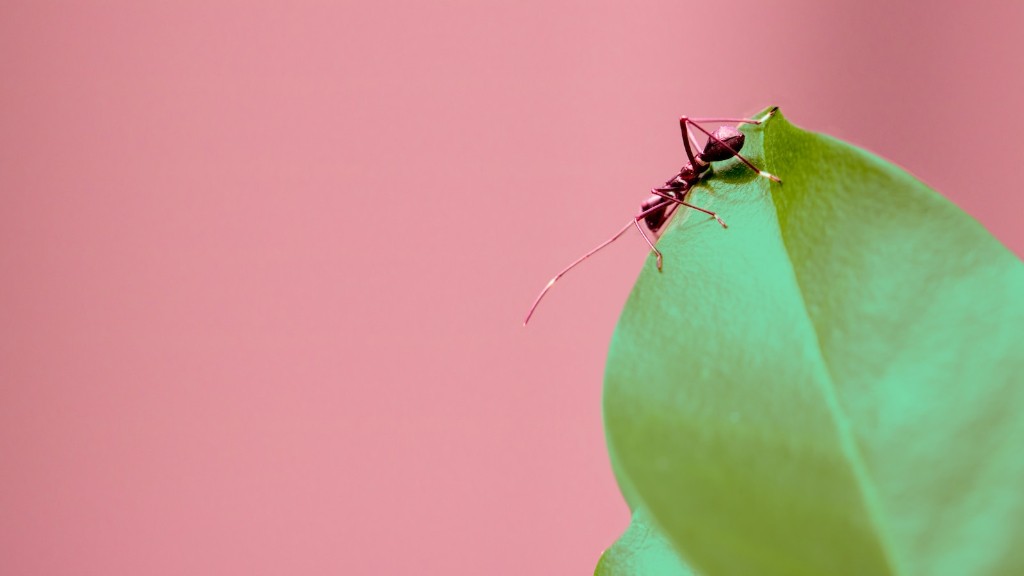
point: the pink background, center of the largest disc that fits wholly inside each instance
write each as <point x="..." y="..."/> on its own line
<point x="264" y="263"/>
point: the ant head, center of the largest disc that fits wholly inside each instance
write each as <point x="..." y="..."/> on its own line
<point x="714" y="151"/>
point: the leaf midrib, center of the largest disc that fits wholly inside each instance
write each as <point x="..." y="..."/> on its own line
<point x="851" y="451"/>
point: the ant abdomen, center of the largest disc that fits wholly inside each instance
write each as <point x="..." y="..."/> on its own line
<point x="726" y="143"/>
<point x="655" y="218"/>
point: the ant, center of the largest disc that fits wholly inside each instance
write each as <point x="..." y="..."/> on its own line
<point x="723" y="144"/>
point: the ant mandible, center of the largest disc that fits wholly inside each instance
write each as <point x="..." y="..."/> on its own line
<point x="724" y="143"/>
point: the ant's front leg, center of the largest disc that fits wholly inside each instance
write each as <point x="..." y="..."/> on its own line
<point x="693" y="140"/>
<point x="687" y="138"/>
<point x="685" y="122"/>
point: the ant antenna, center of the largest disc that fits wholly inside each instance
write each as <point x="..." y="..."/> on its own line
<point x="579" y="260"/>
<point x="665" y="199"/>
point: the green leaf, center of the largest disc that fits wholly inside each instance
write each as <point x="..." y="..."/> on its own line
<point x="833" y="385"/>
<point x="641" y="550"/>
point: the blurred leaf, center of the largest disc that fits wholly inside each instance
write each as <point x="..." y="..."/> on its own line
<point x="641" y="550"/>
<point x="833" y="385"/>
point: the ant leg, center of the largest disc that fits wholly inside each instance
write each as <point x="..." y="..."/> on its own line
<point x="693" y="139"/>
<point x="579" y="260"/>
<point x="661" y="192"/>
<point x="687" y="133"/>
<point x="767" y="115"/>
<point x="657" y="253"/>
<point x="684" y="120"/>
<point x="687" y="139"/>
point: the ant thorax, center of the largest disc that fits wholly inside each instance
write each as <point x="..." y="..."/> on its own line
<point x="676" y="187"/>
<point x="685" y="178"/>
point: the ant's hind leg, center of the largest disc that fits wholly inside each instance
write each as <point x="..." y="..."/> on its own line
<point x="661" y="192"/>
<point x="657" y="253"/>
<point x="709" y="212"/>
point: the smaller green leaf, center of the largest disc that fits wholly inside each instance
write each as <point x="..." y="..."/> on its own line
<point x="640" y="551"/>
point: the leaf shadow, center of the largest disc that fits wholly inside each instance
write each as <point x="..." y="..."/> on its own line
<point x="734" y="173"/>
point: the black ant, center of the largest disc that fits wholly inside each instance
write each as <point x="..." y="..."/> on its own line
<point x="724" y="143"/>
